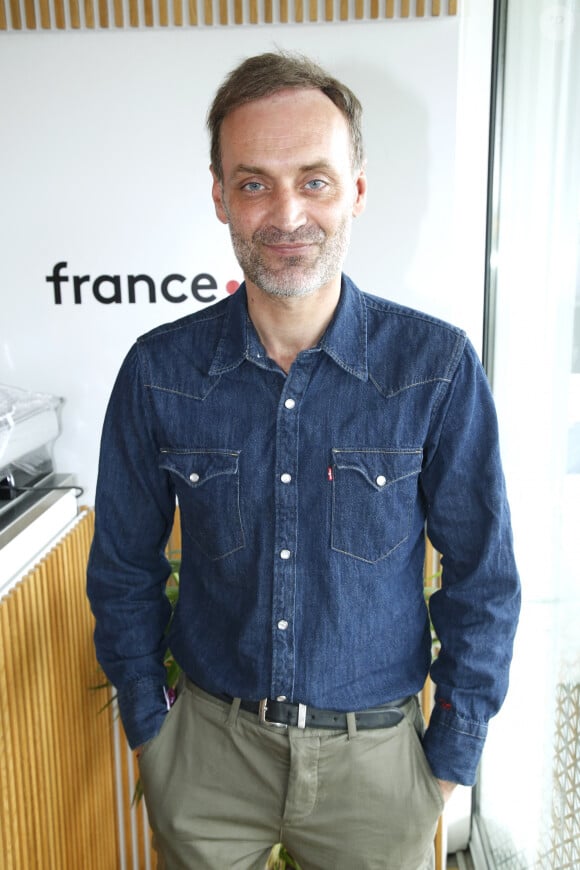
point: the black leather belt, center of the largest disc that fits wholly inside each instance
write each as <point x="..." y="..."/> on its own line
<point x="281" y="714"/>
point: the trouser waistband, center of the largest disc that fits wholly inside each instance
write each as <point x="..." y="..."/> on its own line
<point x="282" y="714"/>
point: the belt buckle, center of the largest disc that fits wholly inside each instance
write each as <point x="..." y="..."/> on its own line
<point x="262" y="709"/>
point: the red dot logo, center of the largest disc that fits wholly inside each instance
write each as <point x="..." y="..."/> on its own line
<point x="232" y="286"/>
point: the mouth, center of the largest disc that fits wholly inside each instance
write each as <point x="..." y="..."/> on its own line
<point x="290" y="250"/>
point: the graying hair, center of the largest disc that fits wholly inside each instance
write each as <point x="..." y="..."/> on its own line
<point x="266" y="74"/>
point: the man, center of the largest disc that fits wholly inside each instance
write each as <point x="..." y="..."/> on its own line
<point x="310" y="433"/>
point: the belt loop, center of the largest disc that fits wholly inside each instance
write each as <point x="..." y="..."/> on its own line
<point x="233" y="714"/>
<point x="351" y="725"/>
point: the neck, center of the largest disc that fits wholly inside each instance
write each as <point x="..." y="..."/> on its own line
<point x="287" y="326"/>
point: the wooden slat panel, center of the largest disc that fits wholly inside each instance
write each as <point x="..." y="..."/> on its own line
<point x="30" y="14"/>
<point x="90" y="13"/>
<point x="10" y="768"/>
<point x="43" y="691"/>
<point x="75" y="13"/>
<point x="44" y="8"/>
<point x="15" y="15"/>
<point x="103" y="13"/>
<point x="137" y="835"/>
<point x="59" y="14"/>
<point x="134" y="13"/>
<point x="57" y="791"/>
<point x="118" y="13"/>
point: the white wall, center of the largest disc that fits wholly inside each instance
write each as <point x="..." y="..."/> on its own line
<point x="103" y="164"/>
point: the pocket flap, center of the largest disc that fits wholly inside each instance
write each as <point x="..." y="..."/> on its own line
<point x="198" y="466"/>
<point x="380" y="468"/>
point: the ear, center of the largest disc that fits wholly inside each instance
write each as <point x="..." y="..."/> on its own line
<point x="360" y="182"/>
<point x="217" y="194"/>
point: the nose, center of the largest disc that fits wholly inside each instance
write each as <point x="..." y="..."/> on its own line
<point x="287" y="210"/>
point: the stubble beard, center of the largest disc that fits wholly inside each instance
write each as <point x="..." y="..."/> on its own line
<point x="296" y="276"/>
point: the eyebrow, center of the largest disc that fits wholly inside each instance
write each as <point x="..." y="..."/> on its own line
<point x="245" y="168"/>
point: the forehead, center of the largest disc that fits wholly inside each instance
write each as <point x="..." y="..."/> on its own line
<point x="291" y="124"/>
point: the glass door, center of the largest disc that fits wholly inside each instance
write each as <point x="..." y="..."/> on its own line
<point x="527" y="807"/>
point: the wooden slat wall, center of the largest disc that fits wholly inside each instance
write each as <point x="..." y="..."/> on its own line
<point x="57" y="778"/>
<point x="18" y="15"/>
<point x="136" y="845"/>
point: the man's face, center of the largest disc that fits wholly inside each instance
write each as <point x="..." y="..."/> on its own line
<point x="289" y="191"/>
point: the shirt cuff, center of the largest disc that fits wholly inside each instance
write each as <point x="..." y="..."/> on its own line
<point x="453" y="746"/>
<point x="143" y="708"/>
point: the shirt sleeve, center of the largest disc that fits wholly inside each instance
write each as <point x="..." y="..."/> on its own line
<point x="127" y="570"/>
<point x="475" y="613"/>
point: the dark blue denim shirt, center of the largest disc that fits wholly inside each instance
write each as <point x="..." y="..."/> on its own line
<point x="304" y="500"/>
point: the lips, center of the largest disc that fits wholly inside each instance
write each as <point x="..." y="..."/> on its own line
<point x="302" y="238"/>
<point x="290" y="250"/>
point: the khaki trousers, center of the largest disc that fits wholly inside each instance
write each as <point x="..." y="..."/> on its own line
<point x="221" y="790"/>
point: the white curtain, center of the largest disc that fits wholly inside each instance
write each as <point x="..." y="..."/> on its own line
<point x="529" y="797"/>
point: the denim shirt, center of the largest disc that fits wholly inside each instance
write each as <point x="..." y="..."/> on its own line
<point x="304" y="500"/>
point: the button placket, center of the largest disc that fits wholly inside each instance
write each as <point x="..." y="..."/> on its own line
<point x="286" y="529"/>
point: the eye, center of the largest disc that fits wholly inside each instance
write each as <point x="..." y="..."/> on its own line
<point x="315" y="184"/>
<point x="253" y="186"/>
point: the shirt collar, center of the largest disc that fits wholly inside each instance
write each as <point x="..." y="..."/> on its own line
<point x="345" y="340"/>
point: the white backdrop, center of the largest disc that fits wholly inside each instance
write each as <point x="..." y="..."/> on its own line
<point x="103" y="165"/>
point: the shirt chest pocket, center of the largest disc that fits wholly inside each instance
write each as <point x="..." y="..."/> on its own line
<point x="207" y="483"/>
<point x="373" y="495"/>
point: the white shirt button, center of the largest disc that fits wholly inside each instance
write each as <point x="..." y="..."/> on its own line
<point x="285" y="554"/>
<point x="290" y="403"/>
<point x="194" y="477"/>
<point x="381" y="480"/>
<point x="283" y="624"/>
<point x="285" y="478"/>
<point x="282" y="698"/>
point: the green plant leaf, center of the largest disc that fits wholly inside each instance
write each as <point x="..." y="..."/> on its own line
<point x="287" y="858"/>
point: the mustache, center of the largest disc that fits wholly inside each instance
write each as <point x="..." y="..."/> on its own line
<point x="303" y="235"/>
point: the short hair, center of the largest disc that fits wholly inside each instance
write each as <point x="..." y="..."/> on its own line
<point x="266" y="74"/>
